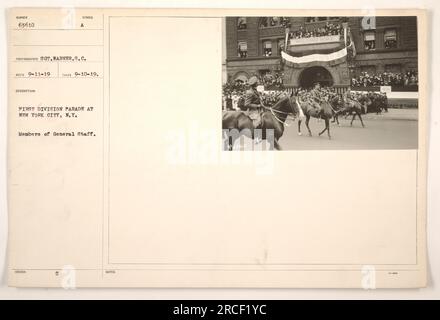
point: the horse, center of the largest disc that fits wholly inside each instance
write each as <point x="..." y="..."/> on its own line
<point x="272" y="118"/>
<point x="378" y="104"/>
<point x="351" y="107"/>
<point x="337" y="104"/>
<point x="325" y="112"/>
<point x="375" y="105"/>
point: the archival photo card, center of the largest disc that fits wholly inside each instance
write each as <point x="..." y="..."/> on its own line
<point x="143" y="148"/>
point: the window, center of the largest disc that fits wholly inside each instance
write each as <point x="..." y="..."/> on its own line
<point x="263" y="72"/>
<point x="267" y="48"/>
<point x="242" y="49"/>
<point x="241" y="23"/>
<point x="390" y="39"/>
<point x="370" y="40"/>
<point x="268" y="22"/>
<point x="264" y="23"/>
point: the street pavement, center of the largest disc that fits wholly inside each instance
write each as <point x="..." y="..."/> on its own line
<point x="397" y="129"/>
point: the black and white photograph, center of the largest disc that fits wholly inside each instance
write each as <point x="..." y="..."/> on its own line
<point x="306" y="83"/>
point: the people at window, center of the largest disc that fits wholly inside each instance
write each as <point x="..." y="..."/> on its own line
<point x="390" y="44"/>
<point x="369" y="41"/>
<point x="267" y="48"/>
<point x="390" y="39"/>
<point x="370" y="45"/>
<point x="242" y="53"/>
<point x="241" y="23"/>
<point x="242" y="50"/>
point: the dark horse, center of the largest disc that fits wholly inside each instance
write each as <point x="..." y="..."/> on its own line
<point x="308" y="110"/>
<point x="337" y="105"/>
<point x="273" y="118"/>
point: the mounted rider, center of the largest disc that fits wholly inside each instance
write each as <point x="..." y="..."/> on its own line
<point x="252" y="102"/>
<point x="348" y="97"/>
<point x="316" y="97"/>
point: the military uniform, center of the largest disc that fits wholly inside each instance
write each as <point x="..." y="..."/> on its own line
<point x="365" y="101"/>
<point x="315" y="99"/>
<point x="252" y="104"/>
<point x="348" y="98"/>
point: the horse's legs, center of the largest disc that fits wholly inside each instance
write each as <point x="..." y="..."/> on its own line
<point x="352" y="119"/>
<point x="360" y="118"/>
<point x="307" y="125"/>
<point x="299" y="127"/>
<point x="336" y="118"/>
<point x="323" y="130"/>
<point x="277" y="145"/>
<point x="335" y="113"/>
<point x="327" y="127"/>
<point x="327" y="123"/>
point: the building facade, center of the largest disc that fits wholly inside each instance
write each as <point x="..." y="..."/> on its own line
<point x="382" y="44"/>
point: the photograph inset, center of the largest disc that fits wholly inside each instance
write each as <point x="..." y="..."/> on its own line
<point x="305" y="83"/>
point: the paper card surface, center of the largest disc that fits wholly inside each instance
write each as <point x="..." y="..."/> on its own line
<point x="130" y="164"/>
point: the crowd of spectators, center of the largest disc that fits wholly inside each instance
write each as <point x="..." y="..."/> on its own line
<point x="234" y="91"/>
<point x="272" y="80"/>
<point x="234" y="87"/>
<point x="385" y="79"/>
<point x="329" y="29"/>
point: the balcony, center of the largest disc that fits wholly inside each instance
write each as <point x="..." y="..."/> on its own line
<point x="316" y="44"/>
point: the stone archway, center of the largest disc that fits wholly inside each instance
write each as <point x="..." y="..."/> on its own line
<point x="313" y="75"/>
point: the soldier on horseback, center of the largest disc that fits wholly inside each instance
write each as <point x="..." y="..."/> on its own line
<point x="347" y="97"/>
<point x="252" y="102"/>
<point x="313" y="97"/>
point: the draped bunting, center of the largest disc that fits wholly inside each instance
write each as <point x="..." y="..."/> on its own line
<point x="329" y="57"/>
